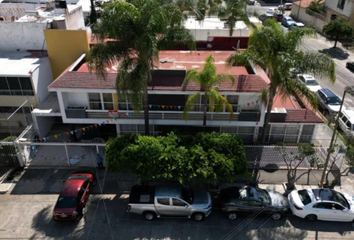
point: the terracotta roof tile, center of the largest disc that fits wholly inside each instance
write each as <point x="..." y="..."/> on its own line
<point x="301" y="116"/>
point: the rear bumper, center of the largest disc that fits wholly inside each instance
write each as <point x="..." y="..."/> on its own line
<point x="71" y="218"/>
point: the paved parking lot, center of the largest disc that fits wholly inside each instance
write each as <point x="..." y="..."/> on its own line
<point x="26" y="213"/>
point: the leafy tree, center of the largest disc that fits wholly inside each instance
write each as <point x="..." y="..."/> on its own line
<point x="232" y="11"/>
<point x="317" y="6"/>
<point x="337" y="29"/>
<point x="293" y="161"/>
<point x="222" y="157"/>
<point x="349" y="156"/>
<point x="276" y="52"/>
<point x="208" y="81"/>
<point x="138" y="29"/>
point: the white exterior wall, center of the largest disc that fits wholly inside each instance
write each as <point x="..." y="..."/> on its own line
<point x="41" y="78"/>
<point x="307" y="19"/>
<point x="78" y="99"/>
<point x="22" y="36"/>
<point x="346" y="11"/>
<point x="43" y="124"/>
<point x="75" y="20"/>
<point x="203" y="34"/>
<point x="244" y="99"/>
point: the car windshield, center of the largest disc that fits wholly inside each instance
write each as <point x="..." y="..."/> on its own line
<point x="79" y="176"/>
<point x="66" y="202"/>
<point x="187" y="195"/>
<point x="341" y="199"/>
<point x="311" y="83"/>
<point x="333" y="101"/>
<point x="304" y="197"/>
<point x="259" y="194"/>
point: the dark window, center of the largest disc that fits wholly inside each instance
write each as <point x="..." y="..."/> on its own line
<point x="163" y="201"/>
<point x="341" y="4"/>
<point x="302" y="78"/>
<point x="81" y="193"/>
<point x="337" y="207"/>
<point x="26" y="86"/>
<point x="4" y="88"/>
<point x="255" y="204"/>
<point x="14" y="85"/>
<point x="95" y="101"/>
<point x="177" y="202"/>
<point x="84" y="186"/>
<point x="304" y="197"/>
<point x="66" y="202"/>
<point x="323" y="205"/>
<point x="349" y="125"/>
<point x="344" y="118"/>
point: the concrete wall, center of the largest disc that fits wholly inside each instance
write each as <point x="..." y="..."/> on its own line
<point x="44" y="124"/>
<point x="346" y="11"/>
<point x="75" y="20"/>
<point x="15" y="101"/>
<point x="244" y="99"/>
<point x="41" y="78"/>
<point x="203" y="34"/>
<point x="78" y="99"/>
<point x="64" y="47"/>
<point x="307" y="19"/>
<point x="22" y="36"/>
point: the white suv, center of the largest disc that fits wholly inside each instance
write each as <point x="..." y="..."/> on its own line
<point x="322" y="204"/>
<point x="310" y="82"/>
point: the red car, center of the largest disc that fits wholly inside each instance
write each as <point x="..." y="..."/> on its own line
<point x="73" y="197"/>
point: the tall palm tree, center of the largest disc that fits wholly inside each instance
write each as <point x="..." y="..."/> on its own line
<point x="232" y="11"/>
<point x="138" y="29"/>
<point x="208" y="81"/>
<point x="276" y="52"/>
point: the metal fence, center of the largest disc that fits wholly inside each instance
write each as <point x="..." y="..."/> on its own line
<point x="9" y="155"/>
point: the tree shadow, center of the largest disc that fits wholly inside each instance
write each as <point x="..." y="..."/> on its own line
<point x="336" y="53"/>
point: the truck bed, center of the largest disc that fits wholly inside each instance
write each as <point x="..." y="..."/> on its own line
<point x="142" y="194"/>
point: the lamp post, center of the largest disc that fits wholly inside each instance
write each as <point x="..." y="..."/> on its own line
<point x="349" y="90"/>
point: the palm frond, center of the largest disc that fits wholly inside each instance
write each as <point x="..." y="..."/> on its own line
<point x="192" y="99"/>
<point x="303" y="92"/>
<point x="264" y="95"/>
<point x="192" y="75"/>
<point x="222" y="77"/>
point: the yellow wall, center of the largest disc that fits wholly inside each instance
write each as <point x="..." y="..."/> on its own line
<point x="64" y="47"/>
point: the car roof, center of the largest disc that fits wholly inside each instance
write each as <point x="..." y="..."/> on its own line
<point x="288" y="18"/>
<point x="308" y="77"/>
<point x="71" y="187"/>
<point x="170" y="190"/>
<point x="349" y="114"/>
<point x="299" y="24"/>
<point x="327" y="92"/>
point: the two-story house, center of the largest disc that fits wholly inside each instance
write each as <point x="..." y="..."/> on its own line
<point x="82" y="99"/>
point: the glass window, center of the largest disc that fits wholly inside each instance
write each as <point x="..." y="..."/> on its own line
<point x="177" y="202"/>
<point x="66" y="202"/>
<point x="14" y="85"/>
<point x="4" y="88"/>
<point x="334" y="101"/>
<point x="95" y="101"/>
<point x="26" y="86"/>
<point x="304" y="197"/>
<point x="108" y="101"/>
<point x="341" y="4"/>
<point x="323" y="205"/>
<point x="84" y="186"/>
<point x="344" y="118"/>
<point x="163" y="201"/>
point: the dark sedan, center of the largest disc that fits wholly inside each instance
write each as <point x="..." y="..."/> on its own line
<point x="278" y="16"/>
<point x="235" y="200"/>
<point x="350" y="66"/>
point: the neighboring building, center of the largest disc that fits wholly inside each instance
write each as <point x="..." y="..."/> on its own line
<point x="22" y="24"/>
<point x="340" y="8"/>
<point x="23" y="76"/>
<point x="80" y="99"/>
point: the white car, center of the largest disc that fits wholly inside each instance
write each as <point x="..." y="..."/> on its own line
<point x="310" y="82"/>
<point x="271" y="10"/>
<point x="322" y="204"/>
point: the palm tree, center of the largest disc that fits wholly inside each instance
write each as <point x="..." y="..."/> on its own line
<point x="276" y="52"/>
<point x="138" y="29"/>
<point x="208" y="81"/>
<point x="233" y="10"/>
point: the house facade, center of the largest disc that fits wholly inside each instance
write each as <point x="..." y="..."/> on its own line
<point x="80" y="100"/>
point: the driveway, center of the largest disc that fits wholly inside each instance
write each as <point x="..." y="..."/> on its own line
<point x="26" y="213"/>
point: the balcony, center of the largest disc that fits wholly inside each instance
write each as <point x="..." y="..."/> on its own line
<point x="76" y="112"/>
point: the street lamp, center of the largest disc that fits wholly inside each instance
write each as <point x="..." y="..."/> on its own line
<point x="349" y="90"/>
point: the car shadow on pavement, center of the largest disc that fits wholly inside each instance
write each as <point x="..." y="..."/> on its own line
<point x="336" y="53"/>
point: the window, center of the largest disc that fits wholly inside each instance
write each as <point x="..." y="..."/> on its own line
<point x="323" y="205"/>
<point x="26" y="86"/>
<point x="4" y="88"/>
<point x="337" y="207"/>
<point x="304" y="197"/>
<point x="341" y="4"/>
<point x="15" y="86"/>
<point x="302" y="79"/>
<point x="344" y="118"/>
<point x="163" y="201"/>
<point x="95" y="101"/>
<point x="255" y="204"/>
<point x="108" y="101"/>
<point x="177" y="202"/>
<point x="84" y="186"/>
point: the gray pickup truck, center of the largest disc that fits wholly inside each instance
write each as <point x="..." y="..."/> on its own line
<point x="169" y="201"/>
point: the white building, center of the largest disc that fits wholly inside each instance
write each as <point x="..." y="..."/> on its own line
<point x="81" y="99"/>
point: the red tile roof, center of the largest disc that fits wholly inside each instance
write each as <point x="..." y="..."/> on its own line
<point x="300" y="116"/>
<point x="304" y="3"/>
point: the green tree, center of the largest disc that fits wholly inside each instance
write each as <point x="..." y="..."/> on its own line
<point x="293" y="160"/>
<point x="349" y="156"/>
<point x="317" y="6"/>
<point x="138" y="29"/>
<point x="232" y="11"/>
<point x="337" y="29"/>
<point x="208" y="82"/>
<point x="276" y="52"/>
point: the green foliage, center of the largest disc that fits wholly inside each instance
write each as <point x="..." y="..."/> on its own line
<point x="317" y="6"/>
<point x="337" y="29"/>
<point x="349" y="156"/>
<point x="207" y="157"/>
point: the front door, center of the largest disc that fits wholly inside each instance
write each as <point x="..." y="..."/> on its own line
<point x="181" y="208"/>
<point x="163" y="206"/>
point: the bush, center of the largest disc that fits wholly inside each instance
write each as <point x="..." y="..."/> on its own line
<point x="207" y="157"/>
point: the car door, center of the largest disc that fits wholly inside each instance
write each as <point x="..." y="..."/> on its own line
<point x="340" y="214"/>
<point x="80" y="199"/>
<point x="322" y="100"/>
<point x="163" y="206"/>
<point x="86" y="187"/>
<point x="324" y="211"/>
<point x="248" y="205"/>
<point x="180" y="207"/>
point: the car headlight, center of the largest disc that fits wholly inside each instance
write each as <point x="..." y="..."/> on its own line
<point x="75" y="213"/>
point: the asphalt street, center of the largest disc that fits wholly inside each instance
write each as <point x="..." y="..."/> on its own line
<point x="341" y="56"/>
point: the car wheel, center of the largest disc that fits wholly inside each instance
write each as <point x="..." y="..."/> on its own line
<point x="149" y="216"/>
<point x="276" y="216"/>
<point x="232" y="215"/>
<point x="198" y="217"/>
<point x="311" y="217"/>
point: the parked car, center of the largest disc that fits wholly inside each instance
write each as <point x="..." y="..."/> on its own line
<point x="73" y="198"/>
<point x="346" y="120"/>
<point x="264" y="17"/>
<point x="287" y="21"/>
<point x="310" y="82"/>
<point x="296" y="25"/>
<point x="322" y="204"/>
<point x="169" y="201"/>
<point x="288" y="6"/>
<point x="235" y="200"/>
<point x="350" y="66"/>
<point x="251" y="2"/>
<point x="278" y="16"/>
<point x="271" y="10"/>
<point x="328" y="101"/>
